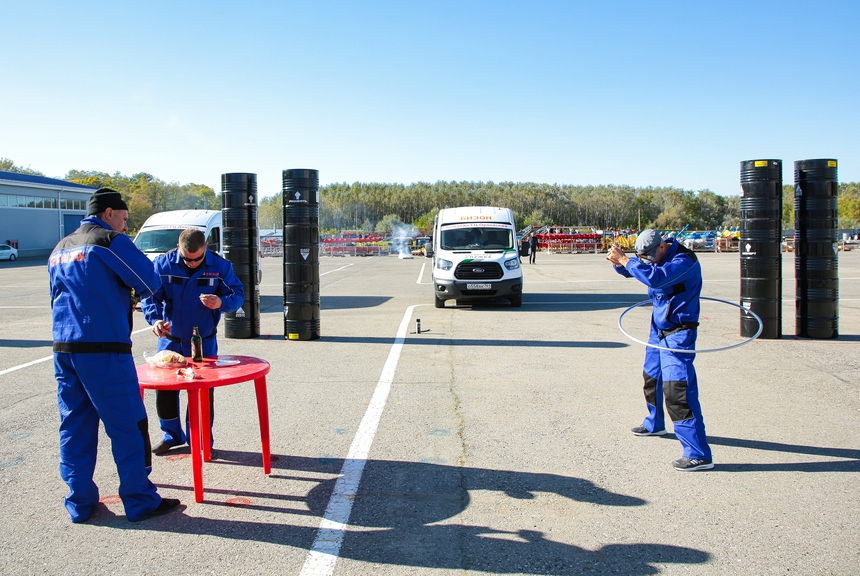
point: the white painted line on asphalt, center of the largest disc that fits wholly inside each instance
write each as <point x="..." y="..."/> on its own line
<point x="337" y="269"/>
<point x="421" y="274"/>
<point x="39" y="361"/>
<point x="326" y="548"/>
<point x="322" y="274"/>
<point x="46" y="358"/>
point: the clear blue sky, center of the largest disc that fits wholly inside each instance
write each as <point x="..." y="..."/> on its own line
<point x="662" y="93"/>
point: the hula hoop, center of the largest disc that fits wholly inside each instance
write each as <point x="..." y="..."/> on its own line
<point x="706" y="350"/>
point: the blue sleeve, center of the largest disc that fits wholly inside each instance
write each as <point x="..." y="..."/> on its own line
<point x="230" y="290"/>
<point x="663" y="274"/>
<point x="622" y="270"/>
<point x="132" y="266"/>
<point x="153" y="306"/>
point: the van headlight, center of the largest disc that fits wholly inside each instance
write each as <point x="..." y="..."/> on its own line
<point x="512" y="264"/>
<point x="443" y="264"/>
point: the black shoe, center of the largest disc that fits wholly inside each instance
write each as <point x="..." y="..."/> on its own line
<point x="163" y="448"/>
<point x="167" y="505"/>
<point x="639" y="431"/>
<point x="98" y="510"/>
<point x="692" y="464"/>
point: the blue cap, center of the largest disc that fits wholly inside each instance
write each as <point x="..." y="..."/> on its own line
<point x="647" y="243"/>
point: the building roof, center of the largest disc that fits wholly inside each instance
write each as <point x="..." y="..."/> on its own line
<point x="43" y="180"/>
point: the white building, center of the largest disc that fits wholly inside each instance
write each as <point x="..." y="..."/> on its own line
<point x="36" y="212"/>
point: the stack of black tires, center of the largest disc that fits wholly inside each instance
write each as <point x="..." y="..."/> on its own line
<point x="242" y="248"/>
<point x="761" y="247"/>
<point x="816" y="248"/>
<point x="301" y="254"/>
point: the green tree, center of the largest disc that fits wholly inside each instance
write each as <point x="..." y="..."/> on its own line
<point x="704" y="210"/>
<point x="788" y="206"/>
<point x="270" y="214"/>
<point x="145" y="194"/>
<point x="535" y="218"/>
<point x="732" y="218"/>
<point x="7" y="165"/>
<point x="94" y="179"/>
<point x="849" y="205"/>
<point x="388" y="223"/>
<point x="425" y="221"/>
<point x="671" y="218"/>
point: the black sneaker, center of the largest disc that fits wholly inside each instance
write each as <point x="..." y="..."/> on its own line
<point x="163" y="447"/>
<point x="642" y="431"/>
<point x="167" y="505"/>
<point x="692" y="464"/>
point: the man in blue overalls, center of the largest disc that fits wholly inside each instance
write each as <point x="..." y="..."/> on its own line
<point x="197" y="286"/>
<point x="674" y="279"/>
<point x="92" y="273"/>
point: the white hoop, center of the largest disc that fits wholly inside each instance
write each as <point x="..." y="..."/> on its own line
<point x="706" y="350"/>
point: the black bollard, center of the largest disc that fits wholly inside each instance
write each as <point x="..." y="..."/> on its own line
<point x="760" y="247"/>
<point x="301" y="254"/>
<point x="242" y="247"/>
<point x="816" y="245"/>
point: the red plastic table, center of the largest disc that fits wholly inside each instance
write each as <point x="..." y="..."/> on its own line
<point x="211" y="373"/>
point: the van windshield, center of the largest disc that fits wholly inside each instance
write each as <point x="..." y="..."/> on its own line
<point x="480" y="238"/>
<point x="158" y="241"/>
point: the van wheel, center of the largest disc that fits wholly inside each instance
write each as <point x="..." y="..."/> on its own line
<point x="439" y="302"/>
<point x="516" y="301"/>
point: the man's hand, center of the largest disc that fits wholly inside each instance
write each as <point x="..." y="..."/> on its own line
<point x="616" y="256"/>
<point x="160" y="328"/>
<point x="210" y="301"/>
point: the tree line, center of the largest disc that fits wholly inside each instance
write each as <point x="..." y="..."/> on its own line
<point x="372" y="207"/>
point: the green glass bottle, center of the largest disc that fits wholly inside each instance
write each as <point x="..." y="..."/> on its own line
<point x="196" y="346"/>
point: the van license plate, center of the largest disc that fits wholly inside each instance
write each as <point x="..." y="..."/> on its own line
<point x="479" y="286"/>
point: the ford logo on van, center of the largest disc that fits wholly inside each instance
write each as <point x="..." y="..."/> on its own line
<point x="479" y="270"/>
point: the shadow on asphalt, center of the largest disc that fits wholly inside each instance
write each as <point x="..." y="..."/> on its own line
<point x="26" y="343"/>
<point x="275" y="304"/>
<point x="531" y="302"/>
<point x="396" y="515"/>
<point x="29" y="262"/>
<point x="427" y="340"/>
<point x="850" y="458"/>
<point x="840" y="338"/>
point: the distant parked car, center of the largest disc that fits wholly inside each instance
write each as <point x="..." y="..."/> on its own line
<point x="8" y="253"/>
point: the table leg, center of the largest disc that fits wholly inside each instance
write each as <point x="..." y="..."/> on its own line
<point x="194" y="432"/>
<point x="205" y="418"/>
<point x="263" y="413"/>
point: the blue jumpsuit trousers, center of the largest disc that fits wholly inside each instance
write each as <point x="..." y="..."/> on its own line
<point x="672" y="375"/>
<point x="103" y="386"/>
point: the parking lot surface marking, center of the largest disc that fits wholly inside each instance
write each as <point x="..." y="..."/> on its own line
<point x="46" y="358"/>
<point x="324" y="553"/>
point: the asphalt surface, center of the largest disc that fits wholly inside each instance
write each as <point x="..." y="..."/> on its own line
<point x="503" y="445"/>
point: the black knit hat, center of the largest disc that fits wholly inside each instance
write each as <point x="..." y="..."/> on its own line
<point x="105" y="198"/>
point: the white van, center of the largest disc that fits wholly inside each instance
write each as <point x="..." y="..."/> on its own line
<point x="475" y="256"/>
<point x="160" y="233"/>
